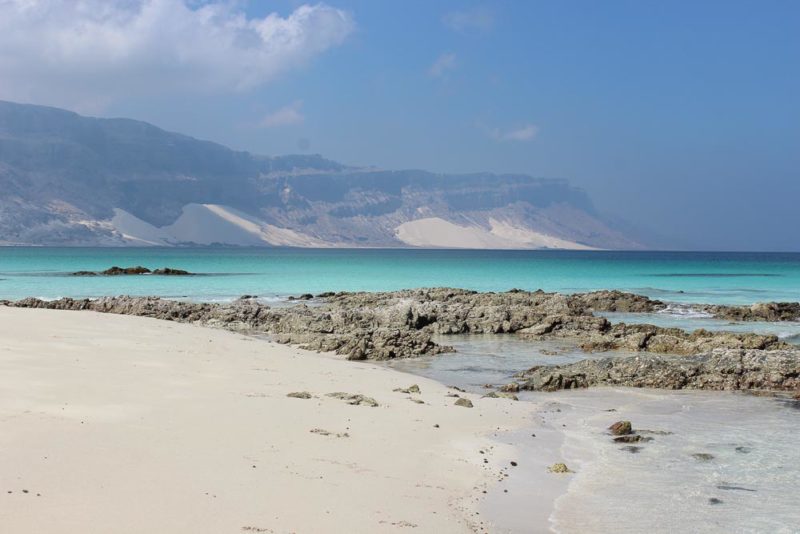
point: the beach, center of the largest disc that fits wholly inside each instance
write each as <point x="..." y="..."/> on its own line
<point x="127" y="424"/>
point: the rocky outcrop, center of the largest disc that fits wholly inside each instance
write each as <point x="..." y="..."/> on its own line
<point x="762" y="311"/>
<point x="721" y="369"/>
<point x="402" y="324"/>
<point x="123" y="271"/>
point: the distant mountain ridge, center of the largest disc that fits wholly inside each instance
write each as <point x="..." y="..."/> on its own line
<point x="74" y="180"/>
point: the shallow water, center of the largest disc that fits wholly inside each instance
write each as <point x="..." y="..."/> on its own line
<point x="490" y="359"/>
<point x="754" y="472"/>
<point x="274" y="272"/>
<point x="748" y="484"/>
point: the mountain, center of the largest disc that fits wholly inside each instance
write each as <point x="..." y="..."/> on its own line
<point x="73" y="180"/>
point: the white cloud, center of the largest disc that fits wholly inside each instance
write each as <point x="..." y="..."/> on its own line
<point x="525" y="133"/>
<point x="443" y="64"/>
<point x="84" y="52"/>
<point x="285" y="116"/>
<point x="478" y="19"/>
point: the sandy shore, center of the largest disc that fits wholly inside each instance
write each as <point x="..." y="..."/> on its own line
<point x="123" y="424"/>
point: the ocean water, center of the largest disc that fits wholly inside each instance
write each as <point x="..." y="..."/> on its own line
<point x="227" y="273"/>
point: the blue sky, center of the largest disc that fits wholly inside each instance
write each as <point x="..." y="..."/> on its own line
<point x="683" y="118"/>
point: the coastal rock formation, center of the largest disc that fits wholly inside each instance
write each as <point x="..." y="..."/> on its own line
<point x="721" y="369"/>
<point x="762" y="311"/>
<point x="402" y="324"/>
<point x="123" y="271"/>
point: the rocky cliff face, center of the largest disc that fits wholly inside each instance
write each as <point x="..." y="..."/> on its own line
<point x="68" y="179"/>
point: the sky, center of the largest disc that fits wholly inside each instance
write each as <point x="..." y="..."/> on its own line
<point x="679" y="118"/>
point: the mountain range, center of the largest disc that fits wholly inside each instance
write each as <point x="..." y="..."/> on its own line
<point x="72" y="180"/>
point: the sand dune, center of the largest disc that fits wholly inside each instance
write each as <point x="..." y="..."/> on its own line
<point x="206" y="224"/>
<point x="439" y="233"/>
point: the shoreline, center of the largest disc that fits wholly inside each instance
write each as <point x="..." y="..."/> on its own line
<point x="104" y="411"/>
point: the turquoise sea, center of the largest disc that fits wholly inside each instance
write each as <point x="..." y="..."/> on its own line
<point x="226" y="273"/>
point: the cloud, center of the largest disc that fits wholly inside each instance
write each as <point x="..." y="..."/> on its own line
<point x="525" y="133"/>
<point x="476" y="19"/>
<point x="95" y="51"/>
<point x="285" y="116"/>
<point x="443" y="64"/>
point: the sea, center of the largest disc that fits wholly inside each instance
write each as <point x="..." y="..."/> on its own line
<point x="718" y="462"/>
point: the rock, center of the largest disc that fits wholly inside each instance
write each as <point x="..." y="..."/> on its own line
<point x="354" y="399"/>
<point x="323" y="432"/>
<point x="248" y="297"/>
<point x="304" y="296"/>
<point x="403" y="324"/>
<point x="632" y="438"/>
<point x="117" y="271"/>
<point x="326" y="295"/>
<point x="762" y="311"/>
<point x="633" y="449"/>
<point x="621" y="428"/>
<point x="720" y="369"/>
<point x="743" y="450"/>
<point x="167" y="271"/>
<point x="299" y="395"/>
<point x="461" y="401"/>
<point x="703" y="456"/>
<point x="559" y="468"/>
<point x="410" y="389"/>
<point x="84" y="273"/>
<point x="714" y="500"/>
<point x="418" y="401"/>
<point x="501" y="395"/>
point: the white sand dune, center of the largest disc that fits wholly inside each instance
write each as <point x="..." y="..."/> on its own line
<point x="129" y="425"/>
<point x="439" y="233"/>
<point x="206" y="224"/>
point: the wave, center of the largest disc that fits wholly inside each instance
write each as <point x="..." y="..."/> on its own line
<point x="686" y="311"/>
<point x="715" y="275"/>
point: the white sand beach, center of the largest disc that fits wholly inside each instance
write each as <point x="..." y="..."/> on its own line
<point x="124" y="424"/>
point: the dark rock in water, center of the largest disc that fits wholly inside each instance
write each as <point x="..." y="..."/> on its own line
<point x="714" y="500"/>
<point x="621" y="428"/>
<point x="633" y="449"/>
<point x="167" y="271"/>
<point x="117" y="271"/>
<point x="248" y="297"/>
<point x="655" y="432"/>
<point x="729" y="487"/>
<point x="703" y="456"/>
<point x="304" y="296"/>
<point x="632" y="438"/>
<point x="326" y="295"/>
<point x="122" y="271"/>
